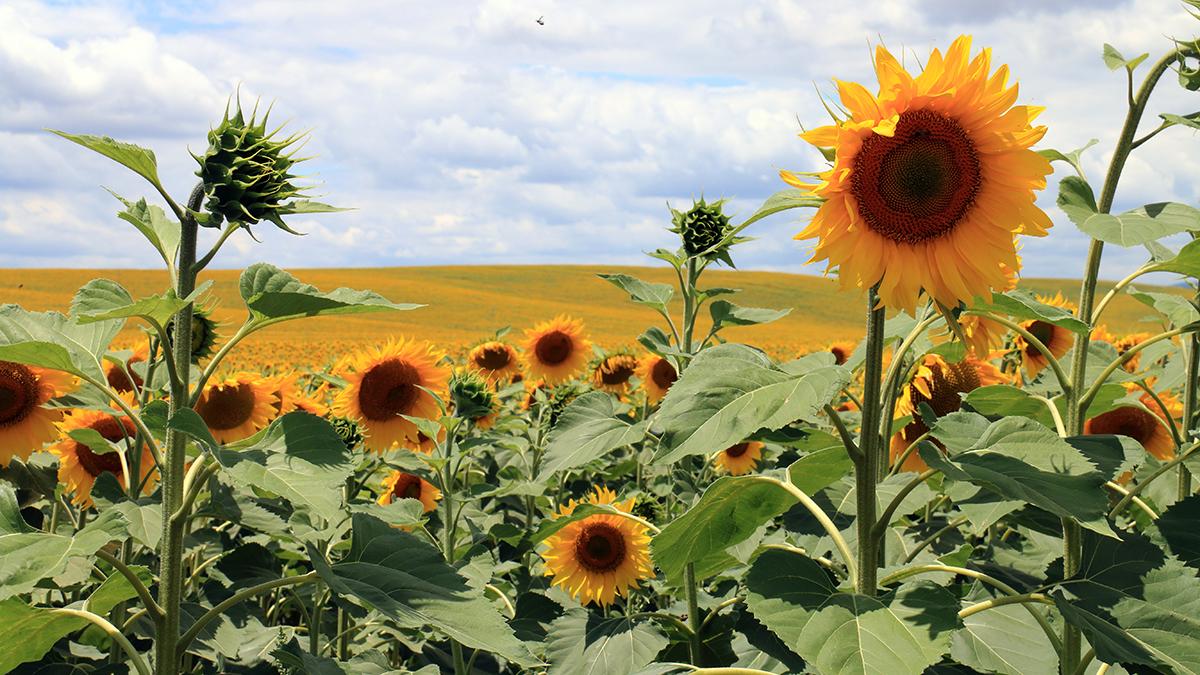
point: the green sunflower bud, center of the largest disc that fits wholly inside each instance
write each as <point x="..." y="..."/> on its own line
<point x="347" y="430"/>
<point x="204" y="334"/>
<point x="472" y="396"/>
<point x="702" y="227"/>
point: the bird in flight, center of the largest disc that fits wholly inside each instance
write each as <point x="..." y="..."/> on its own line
<point x="541" y="21"/>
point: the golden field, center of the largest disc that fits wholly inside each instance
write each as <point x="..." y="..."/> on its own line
<point x="468" y="303"/>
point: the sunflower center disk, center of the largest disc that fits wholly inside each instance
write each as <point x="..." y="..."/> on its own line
<point x="388" y="390"/>
<point x="663" y="374"/>
<point x="616" y="373"/>
<point x="228" y="407"/>
<point x="113" y="431"/>
<point x="18" y="393"/>
<point x="1044" y="332"/>
<point x="492" y="358"/>
<point x="554" y="348"/>
<point x="919" y="183"/>
<point x="1132" y="422"/>
<point x="738" y="450"/>
<point x="600" y="547"/>
<point x="946" y="386"/>
<point x="407" y="487"/>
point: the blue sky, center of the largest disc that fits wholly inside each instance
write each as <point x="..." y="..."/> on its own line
<point x="464" y="132"/>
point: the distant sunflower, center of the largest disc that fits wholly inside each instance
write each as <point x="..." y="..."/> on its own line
<point x="932" y="179"/>
<point x="286" y="388"/>
<point x="314" y="403"/>
<point x="495" y="360"/>
<point x="614" y="373"/>
<point x="1148" y="426"/>
<point x="984" y="335"/>
<point x="422" y="443"/>
<point x="26" y="424"/>
<point x="400" y="485"/>
<point x="657" y="375"/>
<point x="384" y="383"/>
<point x="79" y="466"/>
<point x="556" y="350"/>
<point x="841" y="351"/>
<point x="119" y="375"/>
<point x="739" y="459"/>
<point x="1056" y="339"/>
<point x="237" y="407"/>
<point x="1122" y="344"/>
<point x="601" y="556"/>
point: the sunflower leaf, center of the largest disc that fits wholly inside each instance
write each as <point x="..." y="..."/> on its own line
<point x="1180" y="311"/>
<point x="138" y="159"/>
<point x="1022" y="304"/>
<point x="657" y="296"/>
<point x="1004" y="640"/>
<point x="1186" y="262"/>
<point x="273" y="295"/>
<point x="1072" y="158"/>
<point x="587" y="430"/>
<point x="1131" y="228"/>
<point x="105" y="300"/>
<point x="51" y="340"/>
<point x="162" y="232"/>
<point x="790" y="198"/>
<point x="549" y="527"/>
<point x="28" y="557"/>
<point x="583" y="643"/>
<point x="1114" y="60"/>
<point x="11" y="521"/>
<point x="725" y="313"/>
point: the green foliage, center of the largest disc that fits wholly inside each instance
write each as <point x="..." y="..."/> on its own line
<point x="583" y="643"/>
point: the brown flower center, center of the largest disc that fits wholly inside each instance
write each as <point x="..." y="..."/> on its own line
<point x="738" y="450"/>
<point x="1044" y="332"/>
<point x="1132" y="422"/>
<point x="119" y="380"/>
<point x="919" y="183"/>
<point x="18" y="393"/>
<point x="227" y="407"/>
<point x="600" y="547"/>
<point x="840" y="356"/>
<point x="663" y="374"/>
<point x="554" y="347"/>
<point x="617" y="370"/>
<point x="945" y="386"/>
<point x="493" y="357"/>
<point x="407" y="486"/>
<point x="389" y="389"/>
<point x="112" y="430"/>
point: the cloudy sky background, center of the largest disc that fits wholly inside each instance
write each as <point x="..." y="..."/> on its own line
<point x="466" y="133"/>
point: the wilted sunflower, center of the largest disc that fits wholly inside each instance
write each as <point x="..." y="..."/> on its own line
<point x="237" y="407"/>
<point x="556" y="350"/>
<point x="495" y="360"/>
<point x="841" y="351"/>
<point x="940" y="384"/>
<point x="601" y="556"/>
<point x="931" y="180"/>
<point x="1056" y="339"/>
<point x="657" y="375"/>
<point x="119" y="377"/>
<point x="386" y="382"/>
<point x="400" y="485"/>
<point x="739" y="459"/>
<point x="1148" y="426"/>
<point x="25" y="423"/>
<point x="79" y="466"/>
<point x="614" y="372"/>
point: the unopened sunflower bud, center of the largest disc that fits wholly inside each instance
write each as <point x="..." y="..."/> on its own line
<point x="702" y="227"/>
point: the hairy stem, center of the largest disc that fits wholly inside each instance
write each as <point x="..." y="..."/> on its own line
<point x="871" y="469"/>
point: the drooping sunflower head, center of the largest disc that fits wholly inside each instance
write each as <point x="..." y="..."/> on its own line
<point x="238" y="406"/>
<point x="657" y="375"/>
<point x="80" y="465"/>
<point x="601" y="556"/>
<point x="495" y="360"/>
<point x="556" y="350"/>
<point x="121" y="375"/>
<point x="613" y="373"/>
<point x="1058" y="340"/>
<point x="26" y="424"/>
<point x="348" y="430"/>
<point x="400" y="485"/>
<point x="841" y="351"/>
<point x="473" y="398"/>
<point x="386" y="383"/>
<point x="739" y="459"/>
<point x="1147" y="425"/>
<point x="932" y="178"/>
<point x="204" y="333"/>
<point x="701" y="227"/>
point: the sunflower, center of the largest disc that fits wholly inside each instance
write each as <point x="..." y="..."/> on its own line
<point x="556" y="350"/>
<point x="1148" y="425"/>
<point x="1056" y="338"/>
<point x="931" y="180"/>
<point x="384" y="383"/>
<point x="614" y="373"/>
<point x="495" y="360"/>
<point x="841" y="351"/>
<point x="25" y="423"/>
<point x="119" y="374"/>
<point x="657" y="375"/>
<point x="237" y="407"/>
<point x="314" y="403"/>
<point x="400" y="485"/>
<point x="739" y="459"/>
<point x="984" y="335"/>
<point x="601" y="556"/>
<point x="79" y="466"/>
<point x="941" y="385"/>
<point x="1122" y="345"/>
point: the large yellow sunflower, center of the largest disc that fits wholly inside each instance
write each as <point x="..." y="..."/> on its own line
<point x="1056" y="339"/>
<point x="657" y="375"/>
<point x="614" y="373"/>
<point x="599" y="557"/>
<point x="79" y="466"/>
<point x="931" y="180"/>
<point x="1146" y="426"/>
<point x="400" y="485"/>
<point x="123" y="378"/>
<point x="497" y="361"/>
<point x="739" y="459"/>
<point x="238" y="407"/>
<point x="25" y="423"/>
<point x="940" y="384"/>
<point x="556" y="350"/>
<point x="384" y="383"/>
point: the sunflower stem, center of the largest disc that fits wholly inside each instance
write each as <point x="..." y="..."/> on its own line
<point x="448" y="534"/>
<point x="869" y="470"/>
<point x="693" y="615"/>
<point x="1189" y="407"/>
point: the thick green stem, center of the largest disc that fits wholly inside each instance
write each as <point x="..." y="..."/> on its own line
<point x="448" y="534"/>
<point x="1189" y="406"/>
<point x="871" y="468"/>
<point x="693" y="615"/>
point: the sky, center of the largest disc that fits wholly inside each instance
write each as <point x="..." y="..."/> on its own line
<point x="468" y="133"/>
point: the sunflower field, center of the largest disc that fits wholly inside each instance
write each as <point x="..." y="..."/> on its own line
<point x="990" y="481"/>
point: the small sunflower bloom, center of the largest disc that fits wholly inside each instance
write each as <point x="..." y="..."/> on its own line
<point x="401" y="485"/>
<point x="614" y="372"/>
<point x="237" y="407"/>
<point x="556" y="350"/>
<point x="79" y="466"/>
<point x="26" y="424"/>
<point x="739" y="459"/>
<point x="495" y="360"/>
<point x="1149" y="426"/>
<point x="1057" y="340"/>
<point x="657" y="375"/>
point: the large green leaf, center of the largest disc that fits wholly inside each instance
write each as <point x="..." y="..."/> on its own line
<point x="51" y="340"/>
<point x="272" y="294"/>
<point x="1022" y="304"/>
<point x="1186" y="262"/>
<point x="1179" y="310"/>
<point x="1018" y="458"/>
<point x="818" y="470"/>
<point x="11" y="521"/>
<point x="401" y="576"/>
<point x="641" y="292"/>
<point x="587" y="430"/>
<point x="28" y="557"/>
<point x="725" y="313"/>
<point x="584" y="643"/>
<point x="729" y="392"/>
<point x="1179" y="526"/>
<point x="1003" y="640"/>
<point x="140" y="160"/>
<point x="299" y="457"/>
<point x="1132" y="228"/>
<point x="103" y="300"/>
<point x="904" y="631"/>
<point x="728" y="512"/>
<point x="162" y="232"/>
<point x="1002" y="400"/>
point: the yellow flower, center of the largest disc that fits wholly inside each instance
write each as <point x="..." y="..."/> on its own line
<point x="400" y="485"/>
<point x="931" y="180"/>
<point x="25" y="423"/>
<point x="614" y="373"/>
<point x="556" y="350"/>
<point x="497" y="361"/>
<point x="384" y="383"/>
<point x="79" y="466"/>
<point x="1150" y="428"/>
<point x="1056" y="339"/>
<point x="237" y="407"/>
<point x="1122" y="345"/>
<point x="601" y="556"/>
<point x="739" y="459"/>
<point x="657" y="375"/>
